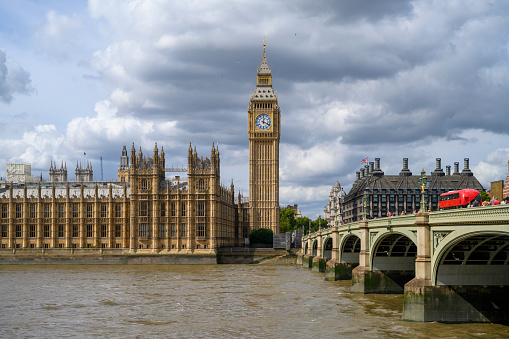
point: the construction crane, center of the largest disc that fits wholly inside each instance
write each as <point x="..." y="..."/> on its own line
<point x="101" y="168"/>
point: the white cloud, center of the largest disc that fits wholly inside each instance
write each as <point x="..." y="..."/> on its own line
<point x="13" y="79"/>
<point x="57" y="36"/>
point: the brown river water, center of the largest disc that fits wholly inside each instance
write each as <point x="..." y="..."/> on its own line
<point x="216" y="301"/>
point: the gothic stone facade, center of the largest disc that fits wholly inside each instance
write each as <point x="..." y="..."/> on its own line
<point x="145" y="213"/>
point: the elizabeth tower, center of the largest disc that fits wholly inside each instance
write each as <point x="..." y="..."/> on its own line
<point x="264" y="128"/>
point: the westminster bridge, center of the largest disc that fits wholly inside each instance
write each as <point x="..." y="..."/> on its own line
<point x="452" y="266"/>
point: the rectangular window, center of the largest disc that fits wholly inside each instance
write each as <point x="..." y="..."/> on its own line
<point x="4" y="231"/>
<point x="202" y="209"/>
<point x="103" y="231"/>
<point x="173" y="230"/>
<point x="163" y="209"/>
<point x="103" y="211"/>
<point x="75" y="210"/>
<point x="163" y="231"/>
<point x="183" y="230"/>
<point x="90" y="231"/>
<point x="46" y="211"/>
<point x="90" y="210"/>
<point x="143" y="209"/>
<point x="61" y="229"/>
<point x="18" y="231"/>
<point x="4" y="211"/>
<point x="32" y="231"/>
<point x="46" y="231"/>
<point x="61" y="211"/>
<point x="143" y="231"/>
<point x="75" y="231"/>
<point x="32" y="211"/>
<point x="183" y="210"/>
<point x="19" y="211"/>
<point x="172" y="209"/>
<point x="118" y="231"/>
<point x="202" y="230"/>
<point x="118" y="211"/>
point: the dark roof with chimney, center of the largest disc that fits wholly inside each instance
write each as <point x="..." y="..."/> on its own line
<point x="405" y="180"/>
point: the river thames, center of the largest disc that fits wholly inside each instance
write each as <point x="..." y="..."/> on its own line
<point x="195" y="301"/>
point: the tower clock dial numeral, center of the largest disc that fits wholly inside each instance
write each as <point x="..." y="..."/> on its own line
<point x="263" y="121"/>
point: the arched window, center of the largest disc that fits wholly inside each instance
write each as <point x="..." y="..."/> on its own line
<point x="144" y="184"/>
<point x="201" y="184"/>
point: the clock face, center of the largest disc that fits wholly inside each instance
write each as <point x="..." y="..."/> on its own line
<point x="263" y="121"/>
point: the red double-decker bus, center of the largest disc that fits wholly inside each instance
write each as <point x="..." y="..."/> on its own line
<point x="458" y="199"/>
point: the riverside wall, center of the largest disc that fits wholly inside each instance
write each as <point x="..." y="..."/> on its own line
<point x="123" y="257"/>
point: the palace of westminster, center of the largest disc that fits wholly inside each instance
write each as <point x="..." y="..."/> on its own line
<point x="145" y="212"/>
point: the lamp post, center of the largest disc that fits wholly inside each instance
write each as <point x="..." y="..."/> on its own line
<point x="364" y="203"/>
<point x="422" y="181"/>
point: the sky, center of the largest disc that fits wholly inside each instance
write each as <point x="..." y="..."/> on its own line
<point x="355" y="79"/>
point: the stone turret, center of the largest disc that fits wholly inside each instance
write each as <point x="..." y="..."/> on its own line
<point x="58" y="175"/>
<point x="84" y="174"/>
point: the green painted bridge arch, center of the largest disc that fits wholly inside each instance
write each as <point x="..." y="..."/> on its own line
<point x="470" y="248"/>
<point x="452" y="266"/>
<point x="350" y="248"/>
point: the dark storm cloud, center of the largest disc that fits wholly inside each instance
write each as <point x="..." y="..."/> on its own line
<point x="349" y="11"/>
<point x="354" y="78"/>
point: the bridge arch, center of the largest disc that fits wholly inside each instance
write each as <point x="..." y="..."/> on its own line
<point x="393" y="251"/>
<point x="306" y="248"/>
<point x="350" y="249"/>
<point x="314" y="248"/>
<point x="327" y="248"/>
<point x="473" y="258"/>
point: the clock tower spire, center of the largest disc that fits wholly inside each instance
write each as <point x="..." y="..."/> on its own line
<point x="264" y="129"/>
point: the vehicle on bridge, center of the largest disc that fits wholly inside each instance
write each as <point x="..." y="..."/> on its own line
<point x="458" y="199"/>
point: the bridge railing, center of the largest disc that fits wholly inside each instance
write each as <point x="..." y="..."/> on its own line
<point x="473" y="214"/>
<point x="401" y="220"/>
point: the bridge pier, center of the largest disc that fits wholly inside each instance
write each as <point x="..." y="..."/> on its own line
<point x="318" y="264"/>
<point x="299" y="258"/>
<point x="307" y="261"/>
<point x="455" y="304"/>
<point x="335" y="270"/>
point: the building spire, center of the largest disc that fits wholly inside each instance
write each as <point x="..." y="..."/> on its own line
<point x="264" y="66"/>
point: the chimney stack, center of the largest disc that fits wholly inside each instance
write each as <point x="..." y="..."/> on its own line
<point x="405" y="171"/>
<point x="456" y="168"/>
<point x="466" y="169"/>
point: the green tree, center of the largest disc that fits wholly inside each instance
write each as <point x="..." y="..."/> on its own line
<point x="261" y="236"/>
<point x="287" y="222"/>
<point x="303" y="223"/>
<point x="318" y="224"/>
<point x="484" y="196"/>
